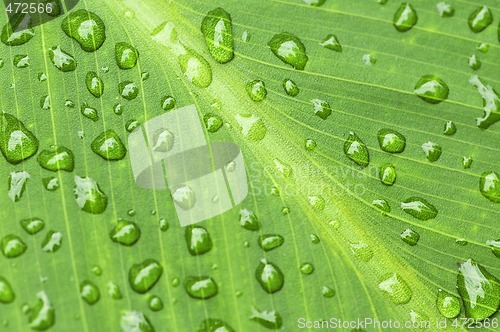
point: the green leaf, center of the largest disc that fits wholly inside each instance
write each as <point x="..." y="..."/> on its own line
<point x="306" y="102"/>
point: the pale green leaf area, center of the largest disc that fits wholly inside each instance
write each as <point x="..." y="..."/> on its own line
<point x="370" y="260"/>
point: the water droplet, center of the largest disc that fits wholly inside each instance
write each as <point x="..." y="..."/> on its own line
<point x="155" y="303"/>
<point x="198" y="240"/>
<point x="69" y="104"/>
<point x="327" y="292"/>
<point x="218" y="32"/>
<point x="410" y="237"/>
<point x="317" y="202"/>
<point x="419" y="208"/>
<point x="17" y="30"/>
<point x="331" y="42"/>
<point x="176" y="282"/>
<point x="361" y="251"/>
<point x="118" y="109"/>
<point x="269" y="276"/>
<point x="164" y="225"/>
<point x="213" y="122"/>
<point x="480" y="19"/>
<point x="201" y="288"/>
<point x="105" y="69"/>
<point x="467" y="162"/>
<point x="252" y="126"/>
<point x="450" y="128"/>
<point x="12" y="246"/>
<point x="45" y="103"/>
<point x="474" y="62"/>
<point x="432" y="151"/>
<point x="270" y="319"/>
<point x="114" y="291"/>
<point x="42" y="315"/>
<point x="2" y="63"/>
<point x="249" y="220"/>
<point x="214" y="325"/>
<point x="314" y="3"/>
<point x="289" y="49"/>
<point x="245" y="36"/>
<point x="89" y="196"/>
<point x="356" y="150"/>
<point x="41" y="77"/>
<point x="167" y="103"/>
<point x="126" y="55"/>
<point x="445" y="9"/>
<point x="479" y="290"/>
<point x="97" y="270"/>
<point x="17" y="185"/>
<point x="184" y="197"/>
<point x="307" y="268"/>
<point x="382" y="205"/>
<point x="94" y="84"/>
<point x="17" y="143"/>
<point x="275" y="191"/>
<point x="131" y="212"/>
<point x="128" y="90"/>
<point x="387" y="174"/>
<point x="62" y="60"/>
<point x="461" y="242"/>
<point x="310" y="144"/>
<point x="143" y="276"/>
<point x="491" y="103"/>
<point x="21" y="61"/>
<point x="405" y="17"/>
<point x="290" y="87"/>
<point x="52" y="241"/>
<point x="125" y="232"/>
<point x="489" y="186"/>
<point x="448" y="305"/>
<point x="431" y="89"/>
<point x="109" y="146"/>
<point x="58" y="158"/>
<point x="314" y="238"/>
<point x="369" y="59"/>
<point x="321" y="108"/>
<point x="256" y="90"/>
<point x="483" y="47"/>
<point x="89" y="112"/>
<point x="391" y="141"/>
<point x="32" y="225"/>
<point x="285" y="211"/>
<point x="132" y="125"/>
<point x="394" y="286"/>
<point x="86" y="28"/>
<point x="135" y="321"/>
<point x="284" y="169"/>
<point x="270" y="241"/>
<point x="89" y="292"/>
<point x="144" y="76"/>
<point x="50" y="183"/>
<point x="6" y="292"/>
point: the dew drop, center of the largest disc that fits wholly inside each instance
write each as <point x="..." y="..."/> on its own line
<point x="45" y="103"/>
<point x="270" y="319"/>
<point x="356" y="150"/>
<point x="21" y="61"/>
<point x="405" y="17"/>
<point x="489" y="186"/>
<point x="52" y="241"/>
<point x="480" y="19"/>
<point x="143" y="276"/>
<point x="89" y="292"/>
<point x="89" y="112"/>
<point x="17" y="185"/>
<point x="495" y="247"/>
<point x="132" y="125"/>
<point x="431" y="89"/>
<point x="361" y="251"/>
<point x="382" y="205"/>
<point x="474" y="62"/>
<point x="331" y="42"/>
<point x="58" y="158"/>
<point x="50" y="183"/>
<point x="42" y="315"/>
<point x="270" y="241"/>
<point x="307" y="268"/>
<point x="253" y="127"/>
<point x="7" y="294"/>
<point x="387" y="174"/>
<point x="419" y="208"/>
<point x="256" y="90"/>
<point x="391" y="141"/>
<point x="184" y="197"/>
<point x="317" y="202"/>
<point x="17" y="30"/>
<point x="310" y="144"/>
<point x="89" y="196"/>
<point x="17" y="143"/>
<point x="135" y="321"/>
<point x="114" y="291"/>
<point x="289" y="49"/>
<point x="12" y="246"/>
<point x="410" y="237"/>
<point x="201" y="288"/>
<point x="432" y="151"/>
<point x="167" y="103"/>
<point x="290" y="87"/>
<point x="445" y="9"/>
<point x="198" y="240"/>
<point x="125" y="232"/>
<point x="62" y="60"/>
<point x="155" y="303"/>
<point x="32" y="225"/>
<point x="126" y="55"/>
<point x="86" y="28"/>
<point x="321" y="108"/>
<point x="327" y="292"/>
<point x="213" y="122"/>
<point x="394" y="286"/>
<point x="109" y="146"/>
<point x="491" y="103"/>
<point x="248" y="220"/>
<point x="218" y="32"/>
<point x="94" y="84"/>
<point x="128" y="90"/>
<point x="269" y="276"/>
<point x="467" y="162"/>
<point x="118" y="109"/>
<point x="450" y="128"/>
<point x="447" y="304"/>
<point x="214" y="325"/>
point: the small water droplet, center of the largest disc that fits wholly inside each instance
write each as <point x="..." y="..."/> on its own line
<point x="69" y="104"/>
<point x="118" y="109"/>
<point x="114" y="291"/>
<point x="249" y="220"/>
<point x="213" y="122"/>
<point x="270" y="241"/>
<point x="52" y="241"/>
<point x="144" y="76"/>
<point x="391" y="141"/>
<point x="126" y="55"/>
<point x="97" y="270"/>
<point x="314" y="238"/>
<point x="491" y="103"/>
<point x="42" y="315"/>
<point x="32" y="225"/>
<point x="245" y="36"/>
<point x="62" y="60"/>
<point x="431" y="89"/>
<point x="198" y="240"/>
<point x="50" y="183"/>
<point x="387" y="174"/>
<point x="317" y="202"/>
<point x="432" y="151"/>
<point x="480" y="19"/>
<point x="285" y="211"/>
<point x="461" y="242"/>
<point x="369" y="59"/>
<point x="89" y="112"/>
<point x="17" y="143"/>
<point x="89" y="292"/>
<point x="17" y="185"/>
<point x="361" y="251"/>
<point x="450" y="128"/>
<point x="214" y="325"/>
<point x="94" y="84"/>
<point x="128" y="90"/>
<point x="86" y="28"/>
<point x="331" y="42"/>
<point x="483" y="47"/>
<point x="125" y="232"/>
<point x="253" y="127"/>
<point x="310" y="144"/>
<point x="155" y="303"/>
<point x="405" y="17"/>
<point x="321" y="108"/>
<point x="167" y="103"/>
<point x="356" y="150"/>
<point x="290" y="87"/>
<point x="41" y="77"/>
<point x="307" y="268"/>
<point x="17" y="30"/>
<point x="217" y="29"/>
<point x="256" y="90"/>
<point x="382" y="204"/>
<point x="495" y="247"/>
<point x="489" y="186"/>
<point x="467" y="162"/>
<point x="269" y="276"/>
<point x="109" y="146"/>
<point x="284" y="169"/>
<point x="270" y="319"/>
<point x="201" y="288"/>
<point x="89" y="196"/>
<point x="21" y="61"/>
<point x="132" y="125"/>
<point x="419" y="208"/>
<point x="143" y="276"/>
<point x="45" y="103"/>
<point x="164" y="226"/>
<point x="445" y="9"/>
<point x="289" y="49"/>
<point x="58" y="158"/>
<point x="410" y="237"/>
<point x="7" y="294"/>
<point x="135" y="321"/>
<point x="327" y="292"/>
<point x="447" y="304"/>
<point x="184" y="197"/>
<point x="474" y="62"/>
<point x="396" y="288"/>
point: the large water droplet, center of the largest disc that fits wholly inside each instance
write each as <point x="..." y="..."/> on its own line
<point x="270" y="319"/>
<point x="58" y="158"/>
<point x="269" y="276"/>
<point x="62" y="60"/>
<point x="52" y="241"/>
<point x="331" y="42"/>
<point x="256" y="90"/>
<point x="17" y="143"/>
<point x="201" y="288"/>
<point x="394" y="286"/>
<point x="479" y="290"/>
<point x="17" y="185"/>
<point x="270" y="241"/>
<point x="489" y="186"/>
<point x="135" y="321"/>
<point x="86" y="28"/>
<point x="128" y="90"/>
<point x="249" y="220"/>
<point x="94" y="84"/>
<point x="125" y="232"/>
<point x="290" y="87"/>
<point x="432" y="151"/>
<point x="491" y="103"/>
<point x="17" y="30"/>
<point x="405" y="17"/>
<point x="419" y="208"/>
<point x="143" y="276"/>
<point x="356" y="150"/>
<point x="126" y="55"/>
<point x="431" y="89"/>
<point x="109" y="146"/>
<point x="289" y="49"/>
<point x="12" y="246"/>
<point x="447" y="304"/>
<point x="198" y="240"/>
<point x="410" y="237"/>
<point x="42" y="315"/>
<point x="218" y="32"/>
<point x="480" y="19"/>
<point x="89" y="292"/>
<point x="7" y="294"/>
<point x="32" y="225"/>
<point x="391" y="141"/>
<point x="89" y="196"/>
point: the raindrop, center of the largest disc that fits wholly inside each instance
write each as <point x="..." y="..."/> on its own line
<point x="289" y="49"/>
<point x="86" y="28"/>
<point x="290" y="87"/>
<point x="143" y="276"/>
<point x="270" y="319"/>
<point x="135" y="321"/>
<point x="489" y="186"/>
<point x="256" y="90"/>
<point x="432" y="151"/>
<point x="249" y="220"/>
<point x="89" y="292"/>
<point x="198" y="240"/>
<point x="270" y="241"/>
<point x="419" y="208"/>
<point x="17" y="143"/>
<point x="94" y="84"/>
<point x="269" y="276"/>
<point x="356" y="150"/>
<point x="213" y="122"/>
<point x="32" y="225"/>
<point x="448" y="305"/>
<point x="445" y="9"/>
<point x="62" y="60"/>
<point x="391" y="141"/>
<point x="128" y="90"/>
<point x="331" y="42"/>
<point x="405" y="17"/>
<point x="89" y="196"/>
<point x="58" y="158"/>
<point x="126" y="56"/>
<point x="109" y="146"/>
<point x="410" y="237"/>
<point x="480" y="19"/>
<point x="394" y="286"/>
<point x="450" y="128"/>
<point x="125" y="232"/>
<point x="218" y="32"/>
<point x="321" y="108"/>
<point x="431" y="89"/>
<point x="52" y="241"/>
<point x="12" y="246"/>
<point x="201" y="288"/>
<point x="387" y="174"/>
